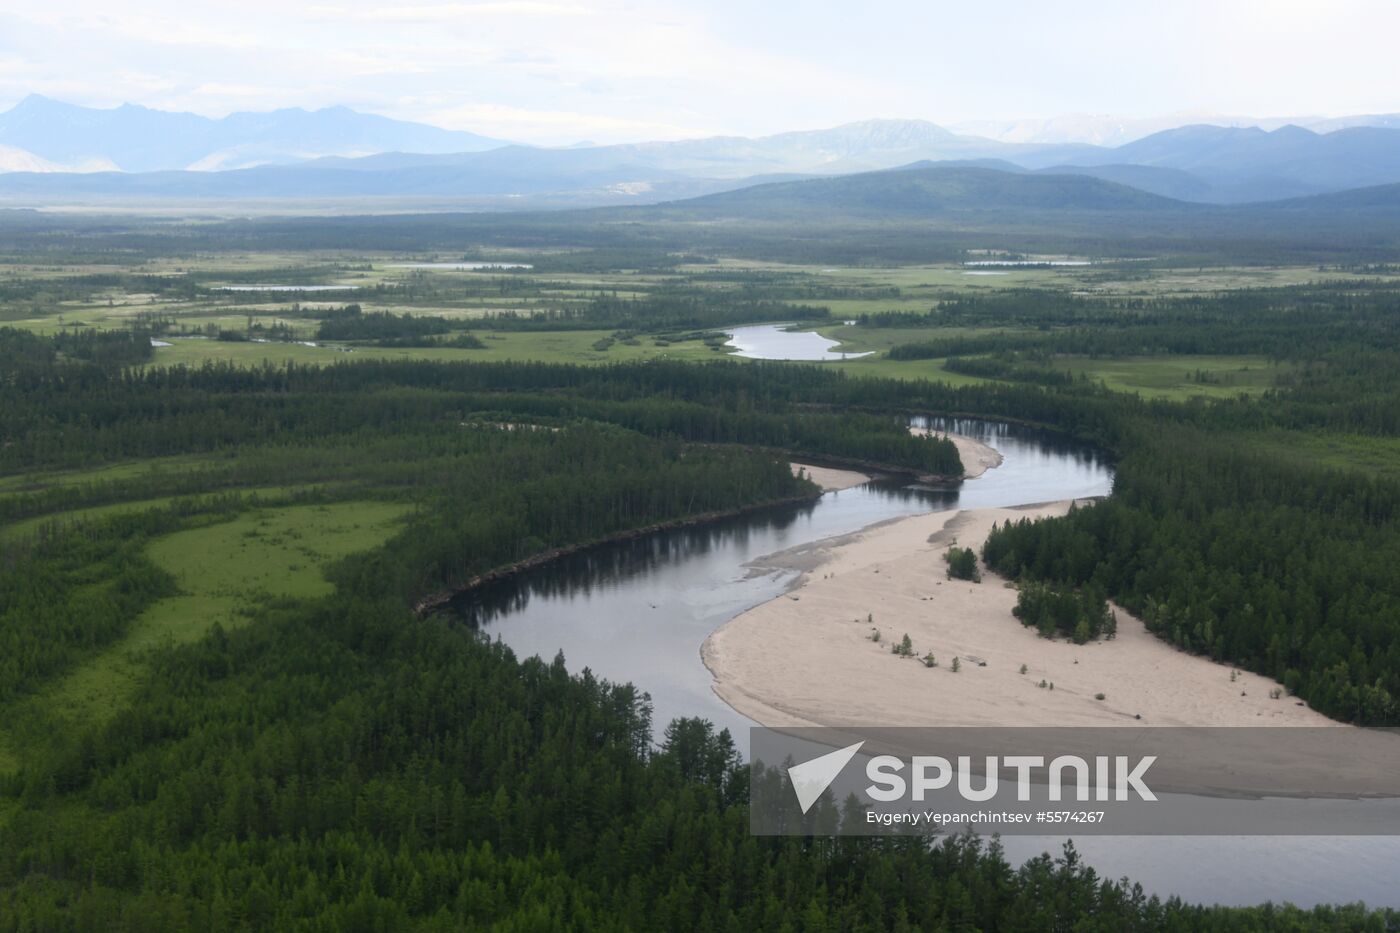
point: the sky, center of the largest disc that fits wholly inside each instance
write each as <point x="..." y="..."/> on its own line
<point x="563" y="71"/>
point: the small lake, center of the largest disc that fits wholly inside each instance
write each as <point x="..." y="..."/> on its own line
<point x="777" y="342"/>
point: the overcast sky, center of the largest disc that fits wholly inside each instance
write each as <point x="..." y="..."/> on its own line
<point x="556" y="71"/>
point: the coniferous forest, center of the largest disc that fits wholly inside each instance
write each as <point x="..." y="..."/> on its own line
<point x="301" y="747"/>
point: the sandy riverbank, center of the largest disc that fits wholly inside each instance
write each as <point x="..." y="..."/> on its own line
<point x="829" y="478"/>
<point x="977" y="458"/>
<point x="807" y="659"/>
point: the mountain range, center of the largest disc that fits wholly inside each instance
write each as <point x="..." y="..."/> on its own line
<point x="53" y="152"/>
<point x="1110" y="130"/>
<point x="131" y="138"/>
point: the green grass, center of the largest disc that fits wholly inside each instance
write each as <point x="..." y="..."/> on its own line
<point x="546" y="346"/>
<point x="1379" y="456"/>
<point x="878" y="367"/>
<point x="1169" y="377"/>
<point x="33" y="482"/>
<point x="223" y="571"/>
<point x="1179" y="377"/>
<point x="19" y="529"/>
<point x="857" y="338"/>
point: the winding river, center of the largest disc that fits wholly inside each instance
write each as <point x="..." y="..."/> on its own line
<point x="639" y="611"/>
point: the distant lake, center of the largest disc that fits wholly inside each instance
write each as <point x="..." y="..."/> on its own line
<point x="284" y="288"/>
<point x="468" y="266"/>
<point x="776" y="342"/>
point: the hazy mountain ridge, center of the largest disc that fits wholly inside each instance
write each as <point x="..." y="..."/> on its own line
<point x="1113" y="130"/>
<point x="138" y="139"/>
<point x="923" y="190"/>
<point x="1251" y="164"/>
<point x="1199" y="163"/>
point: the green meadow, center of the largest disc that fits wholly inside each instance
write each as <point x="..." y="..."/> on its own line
<point x="224" y="571"/>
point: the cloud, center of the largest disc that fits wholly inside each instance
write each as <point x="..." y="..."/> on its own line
<point x="550" y="71"/>
<point x="520" y="123"/>
<point x="445" y="12"/>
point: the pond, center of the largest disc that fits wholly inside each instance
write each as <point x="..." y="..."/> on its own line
<point x="778" y="342"/>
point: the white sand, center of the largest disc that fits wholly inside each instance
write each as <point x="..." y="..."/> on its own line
<point x="977" y="457"/>
<point x="830" y="479"/>
<point x="806" y="658"/>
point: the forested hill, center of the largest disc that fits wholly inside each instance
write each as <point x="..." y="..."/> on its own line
<point x="1378" y="199"/>
<point x="930" y="190"/>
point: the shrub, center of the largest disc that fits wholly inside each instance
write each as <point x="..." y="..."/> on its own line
<point x="962" y="564"/>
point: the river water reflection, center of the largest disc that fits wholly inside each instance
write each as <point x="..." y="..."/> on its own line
<point x="639" y="611"/>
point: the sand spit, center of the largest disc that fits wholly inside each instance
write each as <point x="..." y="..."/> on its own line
<point x="829" y="478"/>
<point x="806" y="658"/>
<point x="976" y="456"/>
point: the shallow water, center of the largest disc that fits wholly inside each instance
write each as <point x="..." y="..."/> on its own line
<point x="776" y="342"/>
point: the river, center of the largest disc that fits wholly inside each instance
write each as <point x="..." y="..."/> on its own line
<point x="639" y="611"/>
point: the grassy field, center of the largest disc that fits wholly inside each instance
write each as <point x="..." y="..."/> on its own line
<point x="31" y="482"/>
<point x="222" y="571"/>
<point x="916" y="282"/>
<point x="24" y="527"/>
<point x="878" y="367"/>
<point x="1182" y="377"/>
<point x="461" y="296"/>
<point x="1379" y="456"/>
<point x="545" y="346"/>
